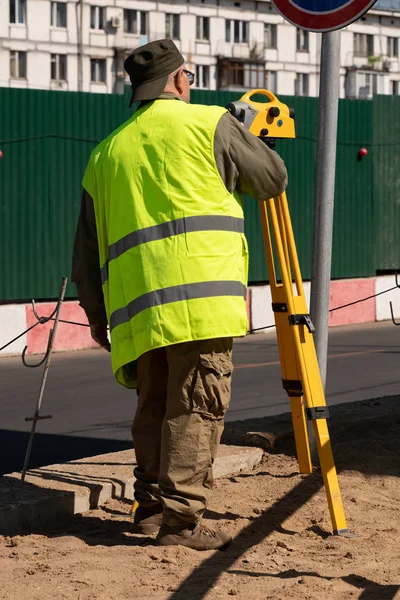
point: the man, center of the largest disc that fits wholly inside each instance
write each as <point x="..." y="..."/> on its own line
<point x="160" y="255"/>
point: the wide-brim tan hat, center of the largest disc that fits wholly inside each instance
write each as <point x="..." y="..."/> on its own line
<point x="148" y="68"/>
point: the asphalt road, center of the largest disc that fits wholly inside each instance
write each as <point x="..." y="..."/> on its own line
<point x="92" y="414"/>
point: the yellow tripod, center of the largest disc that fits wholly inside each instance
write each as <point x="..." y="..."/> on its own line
<point x="301" y="378"/>
<point x="300" y="372"/>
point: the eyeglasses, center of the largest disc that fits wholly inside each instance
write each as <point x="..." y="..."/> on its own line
<point x="190" y="75"/>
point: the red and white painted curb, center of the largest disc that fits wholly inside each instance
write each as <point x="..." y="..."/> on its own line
<point x="15" y="318"/>
<point x="342" y="292"/>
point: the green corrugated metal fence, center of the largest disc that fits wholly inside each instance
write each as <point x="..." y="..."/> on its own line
<point x="46" y="138"/>
<point x="354" y="229"/>
<point x="386" y="173"/>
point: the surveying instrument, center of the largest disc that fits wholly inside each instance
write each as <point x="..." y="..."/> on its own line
<point x="300" y="371"/>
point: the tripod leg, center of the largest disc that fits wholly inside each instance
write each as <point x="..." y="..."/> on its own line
<point x="301" y="337"/>
<point x="301" y="435"/>
<point x="318" y="412"/>
<point x="329" y="475"/>
<point x="282" y="229"/>
<point x="289" y="367"/>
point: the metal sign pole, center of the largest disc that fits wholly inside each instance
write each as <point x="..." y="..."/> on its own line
<point x="324" y="193"/>
<point x="327" y="16"/>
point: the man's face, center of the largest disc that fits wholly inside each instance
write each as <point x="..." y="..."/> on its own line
<point x="185" y="78"/>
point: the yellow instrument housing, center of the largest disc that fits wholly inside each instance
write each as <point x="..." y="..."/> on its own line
<point x="270" y="119"/>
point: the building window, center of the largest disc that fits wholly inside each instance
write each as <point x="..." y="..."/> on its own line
<point x="172" y="26"/>
<point x="135" y="21"/>
<point x="236" y="32"/>
<point x="372" y="83"/>
<point x="58" y="14"/>
<point x="203" y="28"/>
<point x="272" y="81"/>
<point x="393" y="47"/>
<point x="363" y="44"/>
<point x="18" y="11"/>
<point x="243" y="75"/>
<point x="301" y="40"/>
<point x="364" y="84"/>
<point x="97" y="20"/>
<point x="98" y="70"/>
<point x="270" y="35"/>
<point x="202" y="76"/>
<point x="59" y="67"/>
<point x="17" y="64"/>
<point x="301" y="84"/>
<point x="395" y="88"/>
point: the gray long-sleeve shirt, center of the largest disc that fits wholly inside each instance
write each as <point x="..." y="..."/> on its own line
<point x="244" y="162"/>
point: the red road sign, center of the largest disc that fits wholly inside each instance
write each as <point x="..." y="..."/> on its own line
<point x="322" y="15"/>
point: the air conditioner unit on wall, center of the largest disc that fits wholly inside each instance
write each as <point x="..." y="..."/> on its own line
<point x="386" y="65"/>
<point x="115" y="21"/>
<point x="364" y="92"/>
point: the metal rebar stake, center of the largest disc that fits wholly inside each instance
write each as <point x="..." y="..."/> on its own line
<point x="37" y="417"/>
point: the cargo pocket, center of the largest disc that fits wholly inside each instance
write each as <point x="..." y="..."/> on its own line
<point x="212" y="388"/>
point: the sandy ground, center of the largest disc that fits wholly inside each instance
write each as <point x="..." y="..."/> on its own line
<point x="283" y="547"/>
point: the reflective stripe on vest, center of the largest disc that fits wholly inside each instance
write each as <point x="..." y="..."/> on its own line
<point x="176" y="293"/>
<point x="168" y="229"/>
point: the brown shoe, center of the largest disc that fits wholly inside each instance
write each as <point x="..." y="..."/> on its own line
<point x="147" y="520"/>
<point x="197" y="537"/>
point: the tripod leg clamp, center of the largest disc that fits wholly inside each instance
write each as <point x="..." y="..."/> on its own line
<point x="317" y="412"/>
<point x="302" y="320"/>
<point x="293" y="387"/>
<point x="279" y="307"/>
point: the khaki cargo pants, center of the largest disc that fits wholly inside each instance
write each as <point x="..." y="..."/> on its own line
<point x="183" y="394"/>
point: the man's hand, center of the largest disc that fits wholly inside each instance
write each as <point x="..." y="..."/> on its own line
<point x="99" y="334"/>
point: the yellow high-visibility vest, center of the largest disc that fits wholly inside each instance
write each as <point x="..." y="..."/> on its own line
<point x="173" y="254"/>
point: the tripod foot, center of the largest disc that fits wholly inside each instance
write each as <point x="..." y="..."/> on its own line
<point x="346" y="533"/>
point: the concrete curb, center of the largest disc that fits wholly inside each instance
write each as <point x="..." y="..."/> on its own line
<point x="81" y="485"/>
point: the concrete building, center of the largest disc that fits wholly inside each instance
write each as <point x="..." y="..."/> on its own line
<point x="81" y="45"/>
